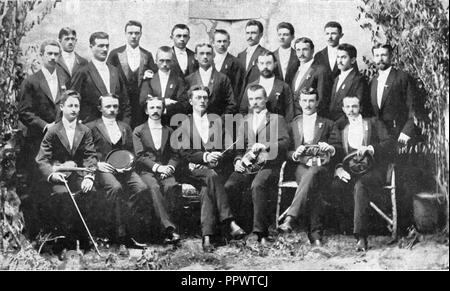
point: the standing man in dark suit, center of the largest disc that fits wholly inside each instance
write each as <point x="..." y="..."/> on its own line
<point x="110" y="134"/>
<point x="97" y="79"/>
<point x="221" y="98"/>
<point x="348" y="83"/>
<point x="364" y="136"/>
<point x="168" y="84"/>
<point x="288" y="62"/>
<point x="157" y="162"/>
<point x="248" y="58"/>
<point x="279" y="99"/>
<point x="69" y="60"/>
<point x="260" y="131"/>
<point x="310" y="74"/>
<point x="327" y="56"/>
<point x="135" y="64"/>
<point x="225" y="62"/>
<point x="183" y="58"/>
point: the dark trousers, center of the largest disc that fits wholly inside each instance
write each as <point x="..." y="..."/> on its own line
<point x="214" y="201"/>
<point x="365" y="188"/>
<point x="170" y="188"/>
<point x="312" y="182"/>
<point x="236" y="186"/>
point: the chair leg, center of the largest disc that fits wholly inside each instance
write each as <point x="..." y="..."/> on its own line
<point x="394" y="206"/>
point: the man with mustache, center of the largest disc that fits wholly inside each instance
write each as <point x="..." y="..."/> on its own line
<point x="248" y="58"/>
<point x="69" y="60"/>
<point x="183" y="58"/>
<point x="279" y="99"/>
<point x="288" y="62"/>
<point x="310" y="74"/>
<point x="97" y="79"/>
<point x="135" y="64"/>
<point x="156" y="163"/>
<point x="221" y="99"/>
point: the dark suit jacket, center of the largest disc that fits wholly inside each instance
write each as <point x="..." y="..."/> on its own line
<point x="252" y="72"/>
<point x="235" y="72"/>
<point x="272" y="133"/>
<point x="192" y="65"/>
<point x="292" y="67"/>
<point x="175" y="90"/>
<point x="321" y="57"/>
<point x="36" y="105"/>
<point x="280" y="100"/>
<point x="78" y="64"/>
<point x="353" y="85"/>
<point x="146" y="153"/>
<point x="102" y="141"/>
<point x="318" y="78"/>
<point x="397" y="104"/>
<point x="88" y="82"/>
<point x="221" y="99"/>
<point x="55" y="149"/>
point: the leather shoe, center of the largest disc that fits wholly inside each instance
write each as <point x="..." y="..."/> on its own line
<point x="238" y="234"/>
<point x="172" y="238"/>
<point x="206" y="245"/>
<point x="286" y="225"/>
<point x="317" y="243"/>
<point x="266" y="241"/>
<point x="361" y="245"/>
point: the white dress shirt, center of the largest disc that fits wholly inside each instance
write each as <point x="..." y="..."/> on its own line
<point x="381" y="82"/>
<point x="309" y="125"/>
<point x="302" y="69"/>
<point x="52" y="81"/>
<point x="355" y="132"/>
<point x="218" y="60"/>
<point x="250" y="51"/>
<point x="285" y="55"/>
<point x="103" y="70"/>
<point x="156" y="132"/>
<point x="69" y="127"/>
<point x="134" y="57"/>
<point x="341" y="78"/>
<point x="202" y="125"/>
<point x="267" y="83"/>
<point x="205" y="75"/>
<point x="112" y="128"/>
<point x="182" y="58"/>
<point x="163" y="80"/>
<point x="69" y="59"/>
<point x="258" y="118"/>
<point x="332" y="55"/>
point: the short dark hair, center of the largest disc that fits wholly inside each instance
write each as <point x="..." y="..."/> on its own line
<point x="350" y="49"/>
<point x="151" y="98"/>
<point x="97" y="35"/>
<point x="286" y="25"/>
<point x="256" y="87"/>
<point x="133" y="23"/>
<point x="254" y="22"/>
<point x="351" y="97"/>
<point x="100" y="99"/>
<point x="222" y="31"/>
<point x="66" y="31"/>
<point x="164" y="49"/>
<point x="305" y="40"/>
<point x="334" y="24"/>
<point x="180" y="26"/>
<point x="309" y="91"/>
<point x="384" y="46"/>
<point x="194" y="88"/>
<point x="202" y="45"/>
<point x="268" y="53"/>
<point x="48" y="42"/>
<point x="69" y="93"/>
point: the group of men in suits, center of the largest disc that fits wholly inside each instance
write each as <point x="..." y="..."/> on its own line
<point x="290" y="98"/>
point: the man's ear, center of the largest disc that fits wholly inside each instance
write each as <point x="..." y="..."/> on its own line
<point x="353" y="60"/>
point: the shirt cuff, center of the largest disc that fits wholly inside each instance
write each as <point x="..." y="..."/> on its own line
<point x="204" y="157"/>
<point x="333" y="150"/>
<point x="172" y="167"/>
<point x="293" y="157"/>
<point x="155" y="167"/>
<point x="371" y="149"/>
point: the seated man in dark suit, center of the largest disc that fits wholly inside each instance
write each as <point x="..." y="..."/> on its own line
<point x="70" y="143"/>
<point x="354" y="133"/>
<point x="260" y="131"/>
<point x="200" y="148"/>
<point x="157" y="162"/>
<point x="312" y="177"/>
<point x="110" y="134"/>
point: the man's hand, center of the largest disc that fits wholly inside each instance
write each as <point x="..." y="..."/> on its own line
<point x="57" y="177"/>
<point x="299" y="151"/>
<point x="169" y="101"/>
<point x="148" y="74"/>
<point x="362" y="150"/>
<point x="342" y="174"/>
<point x="106" y="168"/>
<point x="86" y="185"/>
<point x="238" y="167"/>
<point x="257" y="147"/>
<point x="213" y="157"/>
<point x="165" y="170"/>
<point x="324" y="147"/>
<point x="403" y="139"/>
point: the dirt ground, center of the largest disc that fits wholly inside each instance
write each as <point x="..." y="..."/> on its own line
<point x="288" y="252"/>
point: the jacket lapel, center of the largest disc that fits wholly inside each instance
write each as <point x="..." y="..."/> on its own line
<point x="78" y="136"/>
<point x="62" y="135"/>
<point x="373" y="94"/>
<point x="164" y="137"/>
<point x="63" y="65"/>
<point x="345" y="138"/>
<point x="124" y="63"/>
<point x="211" y="83"/>
<point x="113" y="77"/>
<point x="253" y="57"/>
<point x="306" y="76"/>
<point x="226" y="65"/>
<point x="44" y="86"/>
<point x="143" y="61"/>
<point x="318" y="128"/>
<point x="170" y="85"/>
<point x="366" y="132"/>
<point x="95" y="75"/>
<point x="264" y="125"/>
<point x="102" y="128"/>
<point x="277" y="89"/>
<point x="300" y="129"/>
<point x="280" y="71"/>
<point x="388" y="86"/>
<point x="148" y="135"/>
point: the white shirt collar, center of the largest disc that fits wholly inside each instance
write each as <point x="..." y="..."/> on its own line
<point x="384" y="73"/>
<point x="219" y="55"/>
<point x="306" y="65"/>
<point x="285" y="51"/>
<point x="207" y="72"/>
<point x="356" y="120"/>
<point x="198" y="117"/>
<point x="69" y="125"/>
<point x="163" y="74"/>
<point x="47" y="73"/>
<point x="343" y="75"/>
<point x="154" y="123"/>
<point x="263" y="80"/>
<point x="310" y="117"/>
<point x="98" y="64"/>
<point x="67" y="55"/>
<point x="133" y="50"/>
<point x="260" y="114"/>
<point x="332" y="49"/>
<point x="252" y="48"/>
<point x="179" y="51"/>
<point x="109" y="121"/>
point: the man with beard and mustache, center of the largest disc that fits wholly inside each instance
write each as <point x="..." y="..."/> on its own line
<point x="221" y="98"/>
<point x="135" y="64"/>
<point x="279" y="98"/>
<point x="69" y="61"/>
<point x="97" y="79"/>
<point x="288" y="62"/>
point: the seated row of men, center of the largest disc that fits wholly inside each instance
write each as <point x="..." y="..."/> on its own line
<point x="195" y="151"/>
